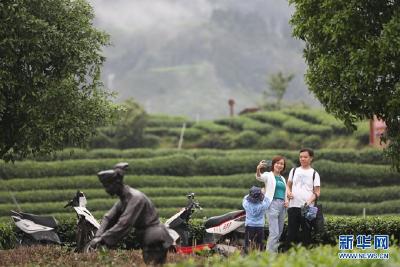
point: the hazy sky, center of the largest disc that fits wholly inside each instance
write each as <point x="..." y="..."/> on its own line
<point x="148" y="27"/>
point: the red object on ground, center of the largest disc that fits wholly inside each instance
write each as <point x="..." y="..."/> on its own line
<point x="193" y="249"/>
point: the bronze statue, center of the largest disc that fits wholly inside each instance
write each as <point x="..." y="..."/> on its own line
<point x="134" y="209"/>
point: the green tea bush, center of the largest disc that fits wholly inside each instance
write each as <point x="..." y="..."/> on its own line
<point x="373" y="156"/>
<point x="356" y="174"/>
<point x="158" y="131"/>
<point x="216" y="141"/>
<point x="334" y="227"/>
<point x="209" y="165"/>
<point x="299" y="126"/>
<point x="92" y="182"/>
<point x="313" y="141"/>
<point x="258" y="127"/>
<point x="7" y="236"/>
<point x="275" y="140"/>
<point x="362" y="132"/>
<point x="275" y="118"/>
<point x="207" y="202"/>
<point x="161" y="120"/>
<point x="319" y="117"/>
<point x="296" y="257"/>
<point x="211" y="127"/>
<point x="151" y="140"/>
<point x="235" y="123"/>
<point x="190" y="134"/>
<point x="356" y="194"/>
<point x="349" y="195"/>
<point x="367" y="155"/>
<point x="49" y="195"/>
<point x="352" y="208"/>
<point x="241" y="123"/>
<point x="169" y="165"/>
<point x="246" y="139"/>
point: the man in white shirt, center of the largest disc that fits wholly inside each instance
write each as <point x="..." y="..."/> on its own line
<point x="303" y="187"/>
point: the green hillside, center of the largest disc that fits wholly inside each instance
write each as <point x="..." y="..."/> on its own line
<point x="217" y="162"/>
<point x="289" y="128"/>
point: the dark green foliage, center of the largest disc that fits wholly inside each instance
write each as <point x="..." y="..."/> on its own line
<point x="351" y="48"/>
<point x="7" y="236"/>
<point x="126" y="131"/>
<point x="292" y="122"/>
<point x="241" y="123"/>
<point x="51" y="94"/>
<point x="356" y="174"/>
<point x="161" y="120"/>
<point x="158" y="131"/>
<point x="46" y="194"/>
<point x="167" y="205"/>
<point x="362" y="133"/>
<point x="215" y="141"/>
<point x="316" y="116"/>
<point x="169" y="165"/>
<point x="211" y="127"/>
<point x="246" y="139"/>
<point x="275" y="118"/>
<point x="275" y="140"/>
<point x="313" y="141"/>
<point x="299" y="126"/>
<point x="334" y="227"/>
<point x="188" y="162"/>
<point x="150" y="140"/>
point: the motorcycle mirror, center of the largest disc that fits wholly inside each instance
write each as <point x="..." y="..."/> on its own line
<point x="121" y="165"/>
<point x="190" y="196"/>
<point x="68" y="204"/>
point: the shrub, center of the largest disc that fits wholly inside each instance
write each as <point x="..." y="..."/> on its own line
<point x="349" y="195"/>
<point x="260" y="128"/>
<point x="334" y="227"/>
<point x="150" y="140"/>
<point x="190" y="134"/>
<point x="161" y="120"/>
<point x="246" y="139"/>
<point x="275" y="140"/>
<point x="299" y="126"/>
<point x="316" y="116"/>
<point x="313" y="141"/>
<point x="356" y="174"/>
<point x="275" y="118"/>
<point x="215" y="141"/>
<point x="158" y="131"/>
<point x="170" y="165"/>
<point x="245" y="123"/>
<point x="235" y="123"/>
<point x="362" y="132"/>
<point x="211" y="127"/>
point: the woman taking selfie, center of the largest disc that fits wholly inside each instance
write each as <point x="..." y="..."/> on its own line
<point x="275" y="191"/>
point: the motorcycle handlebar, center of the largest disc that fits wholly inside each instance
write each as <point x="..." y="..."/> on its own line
<point x="69" y="204"/>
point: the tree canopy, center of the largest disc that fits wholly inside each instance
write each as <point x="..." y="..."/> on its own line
<point x="277" y="86"/>
<point x="126" y="131"/>
<point x="50" y="89"/>
<point x="353" y="56"/>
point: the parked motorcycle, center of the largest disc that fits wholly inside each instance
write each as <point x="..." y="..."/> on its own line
<point x="35" y="229"/>
<point x="224" y="233"/>
<point x="87" y="225"/>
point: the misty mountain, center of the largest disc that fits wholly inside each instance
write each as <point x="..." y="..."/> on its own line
<point x="189" y="57"/>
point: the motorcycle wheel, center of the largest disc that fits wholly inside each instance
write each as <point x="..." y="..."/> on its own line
<point x="84" y="234"/>
<point x="26" y="240"/>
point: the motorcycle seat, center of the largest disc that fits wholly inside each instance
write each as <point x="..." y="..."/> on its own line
<point x="48" y="221"/>
<point x="217" y="220"/>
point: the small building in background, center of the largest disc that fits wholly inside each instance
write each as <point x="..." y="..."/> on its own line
<point x="249" y="110"/>
<point x="377" y="129"/>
